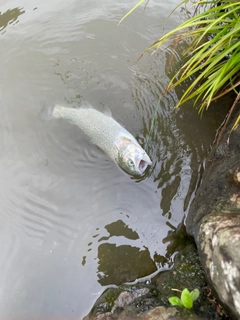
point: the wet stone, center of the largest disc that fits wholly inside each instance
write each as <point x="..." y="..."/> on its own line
<point x="214" y="220"/>
<point x="219" y="239"/>
<point x="127" y="297"/>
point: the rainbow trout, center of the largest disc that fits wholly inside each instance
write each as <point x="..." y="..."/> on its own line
<point x="109" y="135"/>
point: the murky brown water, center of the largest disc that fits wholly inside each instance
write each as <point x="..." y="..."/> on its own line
<point x="71" y="221"/>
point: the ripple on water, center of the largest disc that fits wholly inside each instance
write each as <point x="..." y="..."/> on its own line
<point x="29" y="207"/>
<point x="156" y="112"/>
<point x="165" y="143"/>
<point x="58" y="187"/>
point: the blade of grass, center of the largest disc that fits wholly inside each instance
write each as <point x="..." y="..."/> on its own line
<point x="129" y="12"/>
<point x="152" y="124"/>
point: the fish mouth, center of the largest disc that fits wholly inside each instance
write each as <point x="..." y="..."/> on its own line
<point x="143" y="163"/>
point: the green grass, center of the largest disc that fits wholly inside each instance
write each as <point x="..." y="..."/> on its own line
<point x="212" y="56"/>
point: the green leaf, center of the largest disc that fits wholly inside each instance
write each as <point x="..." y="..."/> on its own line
<point x="186" y="299"/>
<point x="130" y="11"/>
<point x="175" y="301"/>
<point x="195" y="294"/>
<point x="213" y="51"/>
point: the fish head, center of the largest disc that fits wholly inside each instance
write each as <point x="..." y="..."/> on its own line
<point x="132" y="158"/>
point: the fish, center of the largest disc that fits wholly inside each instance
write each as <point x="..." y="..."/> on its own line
<point x="105" y="132"/>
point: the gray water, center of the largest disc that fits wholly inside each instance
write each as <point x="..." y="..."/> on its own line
<point x="72" y="223"/>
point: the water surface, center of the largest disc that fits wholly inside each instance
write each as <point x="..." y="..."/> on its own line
<point x="72" y="222"/>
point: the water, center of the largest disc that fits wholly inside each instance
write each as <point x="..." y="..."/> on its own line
<point x="72" y="222"/>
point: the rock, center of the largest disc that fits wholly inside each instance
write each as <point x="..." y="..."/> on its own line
<point x="128" y="297"/>
<point x="186" y="273"/>
<point x="162" y="313"/>
<point x="219" y="244"/>
<point x="214" y="221"/>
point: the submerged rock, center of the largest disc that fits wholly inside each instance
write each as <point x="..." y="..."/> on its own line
<point x="214" y="221"/>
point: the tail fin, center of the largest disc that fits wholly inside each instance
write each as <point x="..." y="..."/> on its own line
<point x="49" y="112"/>
<point x="57" y="111"/>
<point x="46" y="112"/>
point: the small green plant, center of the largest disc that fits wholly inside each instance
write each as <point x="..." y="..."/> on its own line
<point x="186" y="300"/>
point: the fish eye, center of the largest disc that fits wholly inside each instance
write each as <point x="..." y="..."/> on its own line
<point x="130" y="163"/>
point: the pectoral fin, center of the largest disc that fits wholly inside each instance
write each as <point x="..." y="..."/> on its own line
<point x="122" y="141"/>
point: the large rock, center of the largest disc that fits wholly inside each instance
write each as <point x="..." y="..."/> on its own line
<point x="214" y="220"/>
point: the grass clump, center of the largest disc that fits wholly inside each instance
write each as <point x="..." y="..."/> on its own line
<point x="212" y="56"/>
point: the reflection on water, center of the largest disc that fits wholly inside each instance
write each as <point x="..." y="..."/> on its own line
<point x="123" y="263"/>
<point x="119" y="228"/>
<point x="72" y="221"/>
<point x="120" y="264"/>
<point x="126" y="263"/>
<point x="10" y="17"/>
